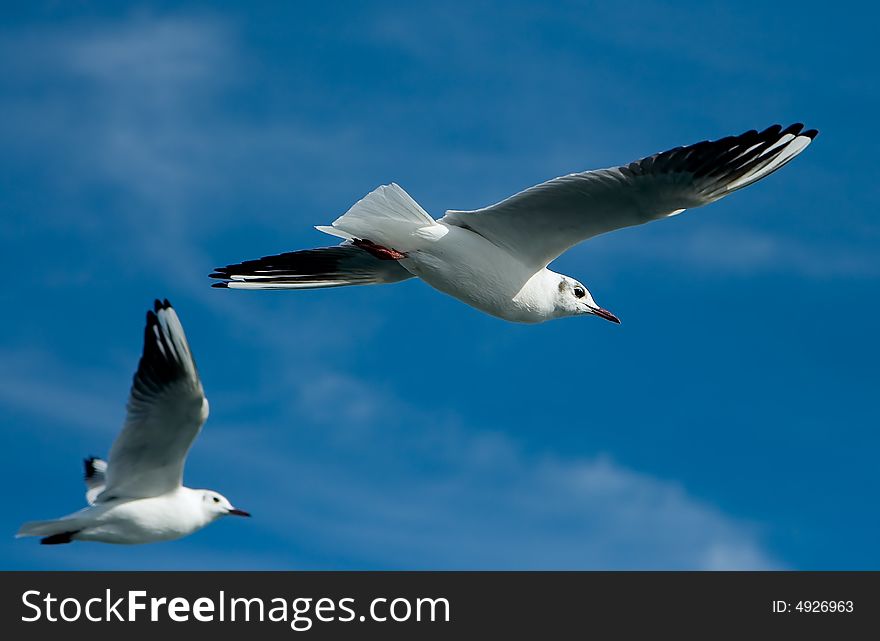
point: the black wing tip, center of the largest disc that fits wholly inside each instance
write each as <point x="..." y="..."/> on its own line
<point x="772" y="130"/>
<point x="160" y="361"/>
<point x="728" y="159"/>
<point x="768" y="135"/>
<point x="796" y="129"/>
<point x="775" y="130"/>
<point x="301" y="262"/>
<point x="89" y="465"/>
<point x="160" y="305"/>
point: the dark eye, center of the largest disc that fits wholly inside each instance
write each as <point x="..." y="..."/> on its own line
<point x="579" y="292"/>
<point x="216" y="500"/>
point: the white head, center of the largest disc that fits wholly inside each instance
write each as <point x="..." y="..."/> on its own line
<point x="216" y="505"/>
<point x="571" y="298"/>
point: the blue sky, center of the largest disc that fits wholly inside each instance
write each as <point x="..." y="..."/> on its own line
<point x="729" y="422"/>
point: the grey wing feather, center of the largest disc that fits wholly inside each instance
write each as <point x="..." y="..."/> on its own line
<point x="166" y="410"/>
<point x="543" y="221"/>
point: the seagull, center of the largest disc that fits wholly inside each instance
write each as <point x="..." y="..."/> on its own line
<point x="137" y="496"/>
<point x="496" y="258"/>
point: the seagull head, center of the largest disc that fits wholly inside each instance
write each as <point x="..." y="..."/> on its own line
<point x="573" y="299"/>
<point x="217" y="505"/>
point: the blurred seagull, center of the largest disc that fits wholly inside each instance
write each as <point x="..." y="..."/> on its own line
<point x="495" y="258"/>
<point x="137" y="497"/>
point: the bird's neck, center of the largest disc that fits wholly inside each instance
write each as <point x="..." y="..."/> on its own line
<point x="195" y="500"/>
<point x="537" y="298"/>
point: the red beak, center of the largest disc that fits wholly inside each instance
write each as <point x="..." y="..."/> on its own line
<point x="604" y="313"/>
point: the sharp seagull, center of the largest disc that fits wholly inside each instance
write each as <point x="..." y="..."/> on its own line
<point x="496" y="258"/>
<point x="138" y="496"/>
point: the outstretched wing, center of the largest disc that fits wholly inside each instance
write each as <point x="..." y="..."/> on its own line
<point x="542" y="222"/>
<point x="345" y="264"/>
<point x="166" y="410"/>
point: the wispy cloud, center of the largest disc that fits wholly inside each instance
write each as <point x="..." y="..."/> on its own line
<point x="38" y="384"/>
<point x="130" y="109"/>
<point x="413" y="487"/>
<point x="404" y="487"/>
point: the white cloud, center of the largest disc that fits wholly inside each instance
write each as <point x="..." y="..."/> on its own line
<point x="400" y="487"/>
<point x="132" y="108"/>
<point x="37" y="384"/>
<point x="405" y="487"/>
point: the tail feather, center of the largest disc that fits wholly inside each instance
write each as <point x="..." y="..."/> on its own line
<point x="386" y="216"/>
<point x="54" y="527"/>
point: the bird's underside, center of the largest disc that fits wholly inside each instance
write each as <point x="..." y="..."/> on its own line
<point x="535" y="225"/>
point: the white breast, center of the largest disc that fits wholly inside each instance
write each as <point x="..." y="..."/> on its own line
<point x="468" y="267"/>
<point x="159" y="518"/>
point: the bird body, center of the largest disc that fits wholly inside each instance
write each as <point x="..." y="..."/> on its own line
<point x="496" y="258"/>
<point x="165" y="517"/>
<point x="451" y="258"/>
<point x="467" y="266"/>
